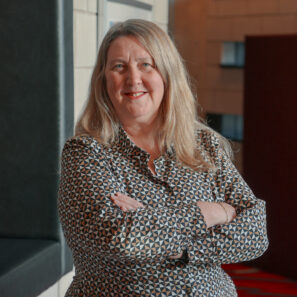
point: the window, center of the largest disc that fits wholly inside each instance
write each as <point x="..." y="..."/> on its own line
<point x="229" y="125"/>
<point x="233" y="54"/>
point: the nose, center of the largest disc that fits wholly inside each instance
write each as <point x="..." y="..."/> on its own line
<point x="133" y="76"/>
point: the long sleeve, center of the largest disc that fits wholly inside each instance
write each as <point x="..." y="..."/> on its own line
<point x="93" y="224"/>
<point x="243" y="239"/>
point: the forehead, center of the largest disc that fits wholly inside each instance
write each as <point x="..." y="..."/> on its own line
<point x="127" y="47"/>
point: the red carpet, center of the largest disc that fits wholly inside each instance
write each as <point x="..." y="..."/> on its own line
<point x="253" y="282"/>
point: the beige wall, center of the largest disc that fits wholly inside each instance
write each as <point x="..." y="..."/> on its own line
<point x="85" y="31"/>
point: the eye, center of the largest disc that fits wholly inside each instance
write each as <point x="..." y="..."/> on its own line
<point x="146" y="66"/>
<point x="118" y="66"/>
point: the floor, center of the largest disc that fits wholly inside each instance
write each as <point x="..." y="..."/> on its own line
<point x="253" y="282"/>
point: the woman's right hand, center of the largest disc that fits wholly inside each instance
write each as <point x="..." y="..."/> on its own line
<point x="125" y="203"/>
<point x="216" y="214"/>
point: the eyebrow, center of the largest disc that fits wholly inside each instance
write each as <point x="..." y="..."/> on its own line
<point x="115" y="60"/>
<point x="138" y="60"/>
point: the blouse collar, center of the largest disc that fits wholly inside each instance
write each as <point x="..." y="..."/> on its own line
<point x="128" y="146"/>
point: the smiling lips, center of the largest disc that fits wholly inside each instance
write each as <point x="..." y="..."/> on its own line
<point x="134" y="95"/>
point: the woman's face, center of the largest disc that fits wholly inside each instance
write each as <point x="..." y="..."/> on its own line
<point x="134" y="85"/>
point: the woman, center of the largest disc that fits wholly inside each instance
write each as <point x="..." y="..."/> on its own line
<point x="149" y="200"/>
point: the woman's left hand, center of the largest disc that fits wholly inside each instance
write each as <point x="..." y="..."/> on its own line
<point x="125" y="203"/>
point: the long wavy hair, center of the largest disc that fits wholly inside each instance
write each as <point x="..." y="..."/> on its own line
<point x="178" y="111"/>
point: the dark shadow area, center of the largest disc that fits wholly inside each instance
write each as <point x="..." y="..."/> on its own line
<point x="36" y="116"/>
<point x="270" y="144"/>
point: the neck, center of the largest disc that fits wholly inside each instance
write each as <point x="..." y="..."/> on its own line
<point x="144" y="136"/>
<point x="140" y="131"/>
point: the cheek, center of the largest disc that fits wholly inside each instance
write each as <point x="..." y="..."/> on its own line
<point x="158" y="86"/>
<point x="153" y="80"/>
<point x="112" y="84"/>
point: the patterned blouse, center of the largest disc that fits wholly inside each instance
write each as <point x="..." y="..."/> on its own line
<point x="120" y="253"/>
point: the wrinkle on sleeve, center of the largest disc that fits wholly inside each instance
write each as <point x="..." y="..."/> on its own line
<point x="245" y="238"/>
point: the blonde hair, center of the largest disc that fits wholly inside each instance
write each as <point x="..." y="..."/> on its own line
<point x="178" y="111"/>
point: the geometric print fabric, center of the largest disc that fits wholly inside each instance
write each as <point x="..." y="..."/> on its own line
<point x="120" y="253"/>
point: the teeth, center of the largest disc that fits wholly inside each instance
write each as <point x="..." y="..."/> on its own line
<point x="137" y="94"/>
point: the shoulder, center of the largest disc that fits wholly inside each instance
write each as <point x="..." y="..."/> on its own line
<point x="207" y="139"/>
<point x="212" y="145"/>
<point x="86" y="144"/>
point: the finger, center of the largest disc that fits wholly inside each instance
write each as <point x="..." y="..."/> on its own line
<point x="231" y="212"/>
<point x="128" y="200"/>
<point x="122" y="200"/>
<point x="123" y="196"/>
<point x="124" y="205"/>
<point x="119" y="197"/>
<point x="115" y="200"/>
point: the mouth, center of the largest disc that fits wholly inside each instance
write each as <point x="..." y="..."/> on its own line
<point x="135" y="95"/>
